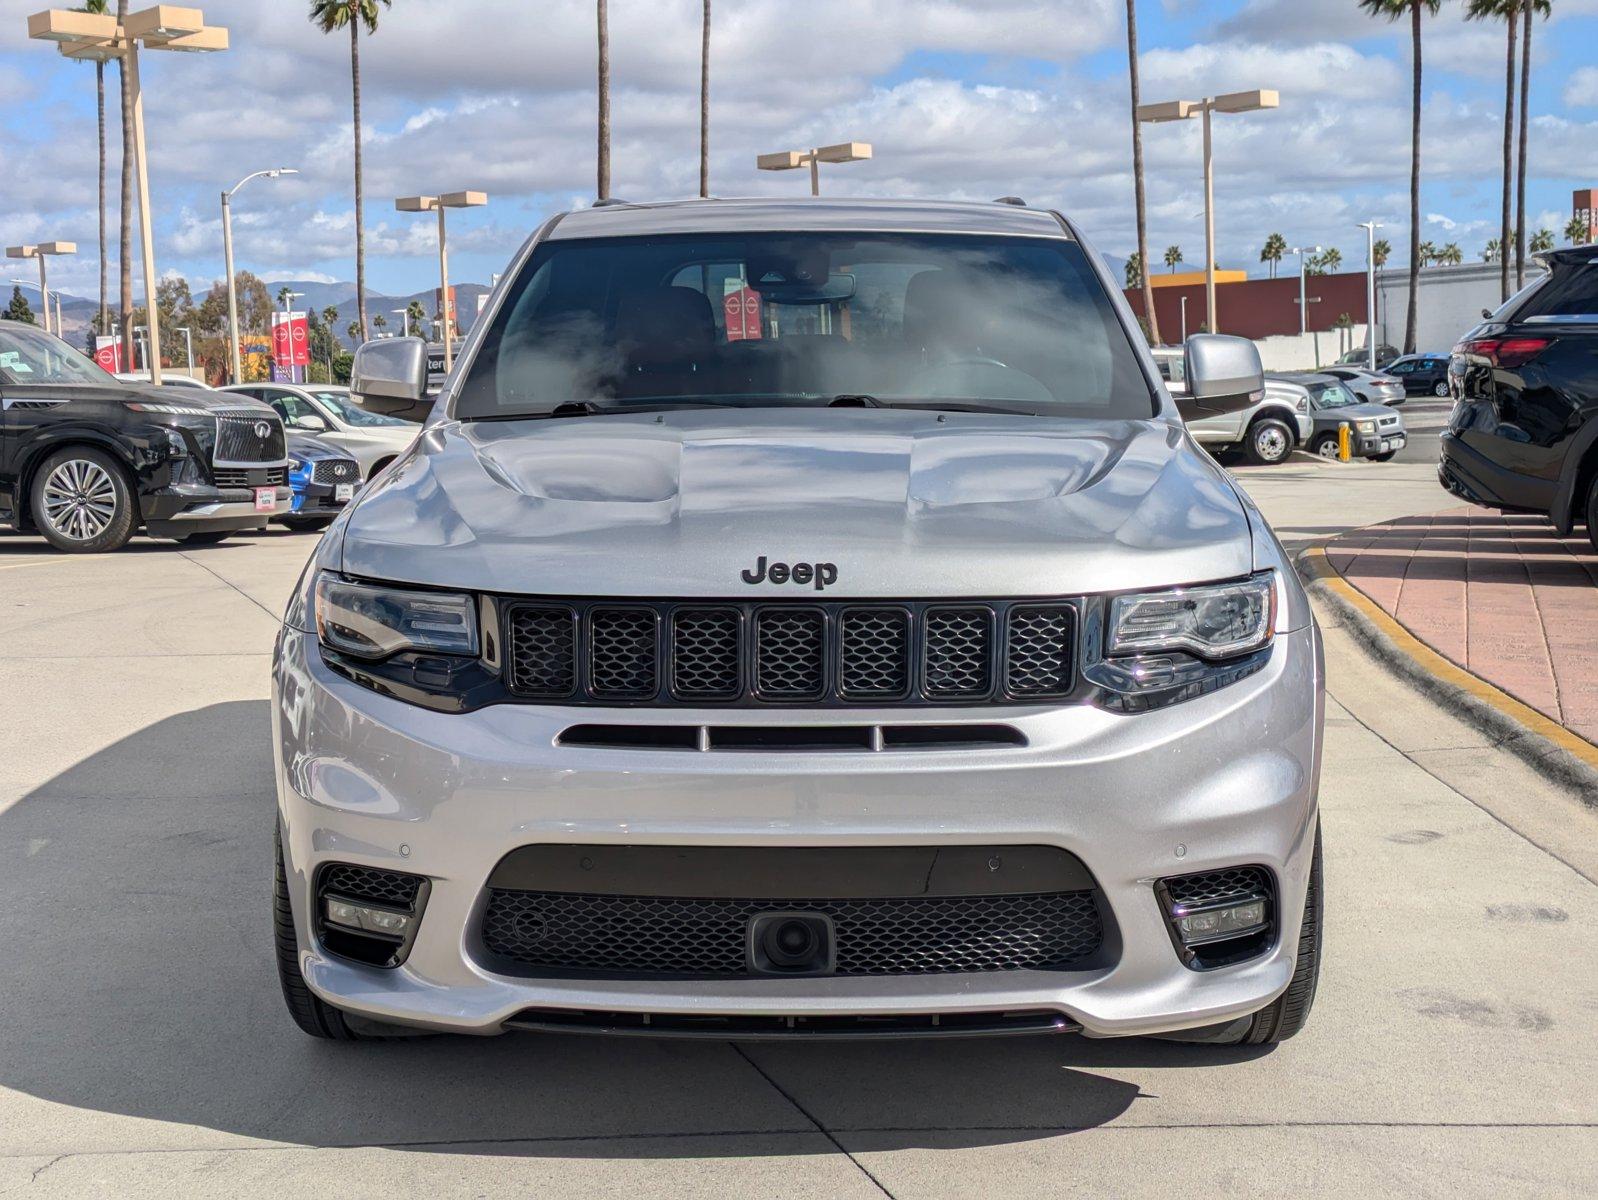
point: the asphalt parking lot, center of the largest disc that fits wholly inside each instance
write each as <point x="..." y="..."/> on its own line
<point x="145" y="1049"/>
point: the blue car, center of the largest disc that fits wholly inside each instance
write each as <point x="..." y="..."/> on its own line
<point x="323" y="480"/>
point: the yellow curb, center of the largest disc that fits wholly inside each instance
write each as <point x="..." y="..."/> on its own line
<point x="1319" y="568"/>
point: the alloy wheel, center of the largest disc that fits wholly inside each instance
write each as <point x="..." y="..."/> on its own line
<point x="1328" y="448"/>
<point x="80" y="499"/>
<point x="1271" y="443"/>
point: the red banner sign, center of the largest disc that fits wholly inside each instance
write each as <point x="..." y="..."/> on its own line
<point x="291" y="339"/>
<point x="108" y="353"/>
<point x="742" y="311"/>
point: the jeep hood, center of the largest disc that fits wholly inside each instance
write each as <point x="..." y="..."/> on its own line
<point x="904" y="504"/>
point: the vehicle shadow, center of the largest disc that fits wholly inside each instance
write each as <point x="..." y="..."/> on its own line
<point x="140" y="983"/>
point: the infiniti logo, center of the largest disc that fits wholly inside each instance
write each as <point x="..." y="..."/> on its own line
<point x="263" y="430"/>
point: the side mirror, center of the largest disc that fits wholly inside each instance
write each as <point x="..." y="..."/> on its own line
<point x="311" y="423"/>
<point x="1224" y="375"/>
<point x="389" y="377"/>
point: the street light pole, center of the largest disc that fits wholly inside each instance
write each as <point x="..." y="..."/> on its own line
<point x="404" y="314"/>
<point x="237" y="373"/>
<point x="1370" y="228"/>
<point x="789" y="160"/>
<point x="42" y="251"/>
<point x="438" y="204"/>
<point x="1303" y="304"/>
<point x="1182" y="110"/>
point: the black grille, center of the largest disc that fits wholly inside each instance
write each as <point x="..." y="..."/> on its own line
<point x="623" y="648"/>
<point x="959" y="653"/>
<point x="1038" y="650"/>
<point x="243" y="438"/>
<point x="661" y="652"/>
<point x="1214" y="887"/>
<point x="335" y="470"/>
<point x="541" y="650"/>
<point x="790" y="653"/>
<point x="571" y="932"/>
<point x="237" y="477"/>
<point x="370" y="883"/>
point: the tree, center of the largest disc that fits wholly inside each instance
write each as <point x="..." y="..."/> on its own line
<point x="330" y="319"/>
<point x="1173" y="257"/>
<point x="602" y="20"/>
<point x="125" y="263"/>
<point x="1542" y="241"/>
<point x="380" y="323"/>
<point x="18" y="309"/>
<point x="1275" y="246"/>
<point x="332" y="15"/>
<point x="704" y="104"/>
<point x="1393" y="10"/>
<point x="1134" y="270"/>
<point x="1528" y="9"/>
<point x="355" y="332"/>
<point x="417" y="316"/>
<point x="1450" y="255"/>
<point x="1137" y="178"/>
<point x="1428" y="253"/>
<point x="1509" y="12"/>
<point x="284" y="295"/>
<point x="175" y="304"/>
<point x="1490" y="253"/>
<point x="1576" y="231"/>
<point x="1382" y="250"/>
<point x="1330" y="259"/>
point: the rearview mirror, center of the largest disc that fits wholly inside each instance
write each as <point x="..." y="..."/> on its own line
<point x="1224" y="375"/>
<point x="389" y="377"/>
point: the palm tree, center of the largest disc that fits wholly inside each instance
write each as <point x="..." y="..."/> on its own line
<point x="1393" y="10"/>
<point x="1428" y="252"/>
<point x="1275" y="246"/>
<point x="1509" y="11"/>
<point x="331" y="15"/>
<point x="379" y="323"/>
<point x="1576" y="231"/>
<point x="284" y="295"/>
<point x="1542" y="241"/>
<point x="1149" y="314"/>
<point x="415" y="314"/>
<point x="1528" y="9"/>
<point x="1381" y="252"/>
<point x="1173" y="257"/>
<point x="1490" y="253"/>
<point x="603" y="20"/>
<point x="1450" y="255"/>
<point x="1330" y="259"/>
<point x="704" y="104"/>
<point x="357" y="334"/>
<point x="98" y="7"/>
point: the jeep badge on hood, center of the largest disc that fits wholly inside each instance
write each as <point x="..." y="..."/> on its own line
<point x="820" y="574"/>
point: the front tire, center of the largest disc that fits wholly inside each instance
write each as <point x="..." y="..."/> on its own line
<point x="1325" y="446"/>
<point x="1440" y="388"/>
<point x="310" y="1012"/>
<point x="82" y="503"/>
<point x="1268" y="442"/>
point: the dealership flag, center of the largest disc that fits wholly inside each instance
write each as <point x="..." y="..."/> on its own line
<point x="741" y="307"/>
<point x="108" y="353"/>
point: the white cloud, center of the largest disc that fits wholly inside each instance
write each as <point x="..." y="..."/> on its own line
<point x="1581" y="89"/>
<point x="1439" y="219"/>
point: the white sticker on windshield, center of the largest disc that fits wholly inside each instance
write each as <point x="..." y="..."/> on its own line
<point x="11" y="360"/>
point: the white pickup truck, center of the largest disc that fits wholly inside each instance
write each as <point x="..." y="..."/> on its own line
<point x="1266" y="432"/>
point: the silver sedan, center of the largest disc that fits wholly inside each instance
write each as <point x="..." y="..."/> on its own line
<point x="1372" y="387"/>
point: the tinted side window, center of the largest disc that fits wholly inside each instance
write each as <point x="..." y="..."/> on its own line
<point x="1571" y="291"/>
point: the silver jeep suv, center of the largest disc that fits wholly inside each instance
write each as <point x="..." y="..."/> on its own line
<point x="801" y="620"/>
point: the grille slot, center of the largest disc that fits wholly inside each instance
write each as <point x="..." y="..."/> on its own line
<point x="1038" y="648"/>
<point x="791" y="653"/>
<point x="571" y="932"/>
<point x="1214" y="887"/>
<point x="959" y="652"/>
<point x="541" y="651"/>
<point x="874" y="653"/>
<point x="623" y="650"/>
<point x="224" y="477"/>
<point x="370" y="883"/>
<point x="836" y="654"/>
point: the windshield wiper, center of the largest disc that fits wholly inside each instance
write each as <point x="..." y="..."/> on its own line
<point x="959" y="406"/>
<point x="587" y="408"/>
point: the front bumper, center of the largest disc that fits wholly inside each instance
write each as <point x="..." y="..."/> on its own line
<point x="192" y="508"/>
<point x="1222" y="780"/>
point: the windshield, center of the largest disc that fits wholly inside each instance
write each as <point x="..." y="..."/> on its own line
<point x="338" y="402"/>
<point x="1332" y="395"/>
<point x="1015" y="324"/>
<point x="29" y="355"/>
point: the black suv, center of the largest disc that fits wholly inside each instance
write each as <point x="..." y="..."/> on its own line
<point x="85" y="459"/>
<point x="1524" y="433"/>
<point x="1421" y="374"/>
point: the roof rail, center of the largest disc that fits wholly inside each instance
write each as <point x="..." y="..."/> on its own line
<point x="1015" y="200"/>
<point x="611" y="202"/>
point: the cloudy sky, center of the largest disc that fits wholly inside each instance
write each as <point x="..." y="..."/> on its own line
<point x="961" y="98"/>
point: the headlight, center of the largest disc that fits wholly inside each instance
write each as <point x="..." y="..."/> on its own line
<point x="1366" y="426"/>
<point x="1214" y="620"/>
<point x="371" y="621"/>
<point x="1303" y="404"/>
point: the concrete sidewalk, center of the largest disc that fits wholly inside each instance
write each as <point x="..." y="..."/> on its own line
<point x="1504" y="597"/>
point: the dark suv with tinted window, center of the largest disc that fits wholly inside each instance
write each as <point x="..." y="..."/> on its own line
<point x="1524" y="433"/>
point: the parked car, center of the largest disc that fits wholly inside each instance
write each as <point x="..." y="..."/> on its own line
<point x="1421" y="374"/>
<point x="1361" y="357"/>
<point x="1266" y="432"/>
<point x="327" y="412"/>
<point x="168" y="379"/>
<point x="1373" y="387"/>
<point x="1375" y="430"/>
<point x="86" y="461"/>
<point x="323" y="479"/>
<point x="1524" y="433"/>
<point x="761" y="681"/>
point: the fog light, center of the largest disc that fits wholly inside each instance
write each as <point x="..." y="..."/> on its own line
<point x="1212" y="924"/>
<point x="367" y="918"/>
